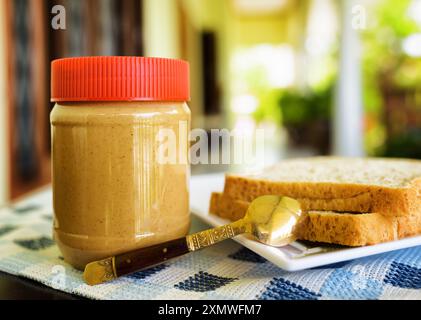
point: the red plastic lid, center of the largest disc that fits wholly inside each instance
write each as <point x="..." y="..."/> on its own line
<point x="119" y="79"/>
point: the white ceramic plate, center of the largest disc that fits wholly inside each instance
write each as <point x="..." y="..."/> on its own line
<point x="293" y="257"/>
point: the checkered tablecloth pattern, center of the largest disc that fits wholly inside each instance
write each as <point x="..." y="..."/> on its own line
<point x="225" y="271"/>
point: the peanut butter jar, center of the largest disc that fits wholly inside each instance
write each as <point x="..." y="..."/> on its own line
<point x="120" y="172"/>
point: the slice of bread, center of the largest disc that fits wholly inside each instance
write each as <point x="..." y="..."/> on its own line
<point x="391" y="187"/>
<point x="348" y="229"/>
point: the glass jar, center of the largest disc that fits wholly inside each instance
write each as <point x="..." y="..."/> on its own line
<point x="115" y="185"/>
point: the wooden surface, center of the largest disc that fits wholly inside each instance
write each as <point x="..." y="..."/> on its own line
<point x="15" y="288"/>
<point x="38" y="88"/>
<point x="12" y="287"/>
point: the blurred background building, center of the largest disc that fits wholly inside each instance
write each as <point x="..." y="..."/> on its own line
<point x="320" y="76"/>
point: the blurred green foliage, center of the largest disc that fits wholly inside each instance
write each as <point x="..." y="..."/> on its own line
<point x="384" y="59"/>
<point x="267" y="96"/>
<point x="268" y="108"/>
<point x="304" y="107"/>
<point x="387" y="68"/>
<point x="405" y="145"/>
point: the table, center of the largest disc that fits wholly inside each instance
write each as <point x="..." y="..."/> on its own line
<point x="13" y="287"/>
<point x="224" y="271"/>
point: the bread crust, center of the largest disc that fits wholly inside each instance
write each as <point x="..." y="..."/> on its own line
<point x="345" y="197"/>
<point x="350" y="229"/>
<point x="353" y="202"/>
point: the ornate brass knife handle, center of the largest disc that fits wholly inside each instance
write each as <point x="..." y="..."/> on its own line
<point x="206" y="238"/>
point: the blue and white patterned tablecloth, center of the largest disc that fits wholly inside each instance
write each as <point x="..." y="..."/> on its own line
<point x="224" y="271"/>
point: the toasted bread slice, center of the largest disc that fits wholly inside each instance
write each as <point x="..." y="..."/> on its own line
<point x="348" y="229"/>
<point x="391" y="187"/>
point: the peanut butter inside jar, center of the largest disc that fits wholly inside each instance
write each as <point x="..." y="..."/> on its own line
<point x="117" y="184"/>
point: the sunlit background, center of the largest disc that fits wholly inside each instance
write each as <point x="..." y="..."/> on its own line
<point x="319" y="76"/>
